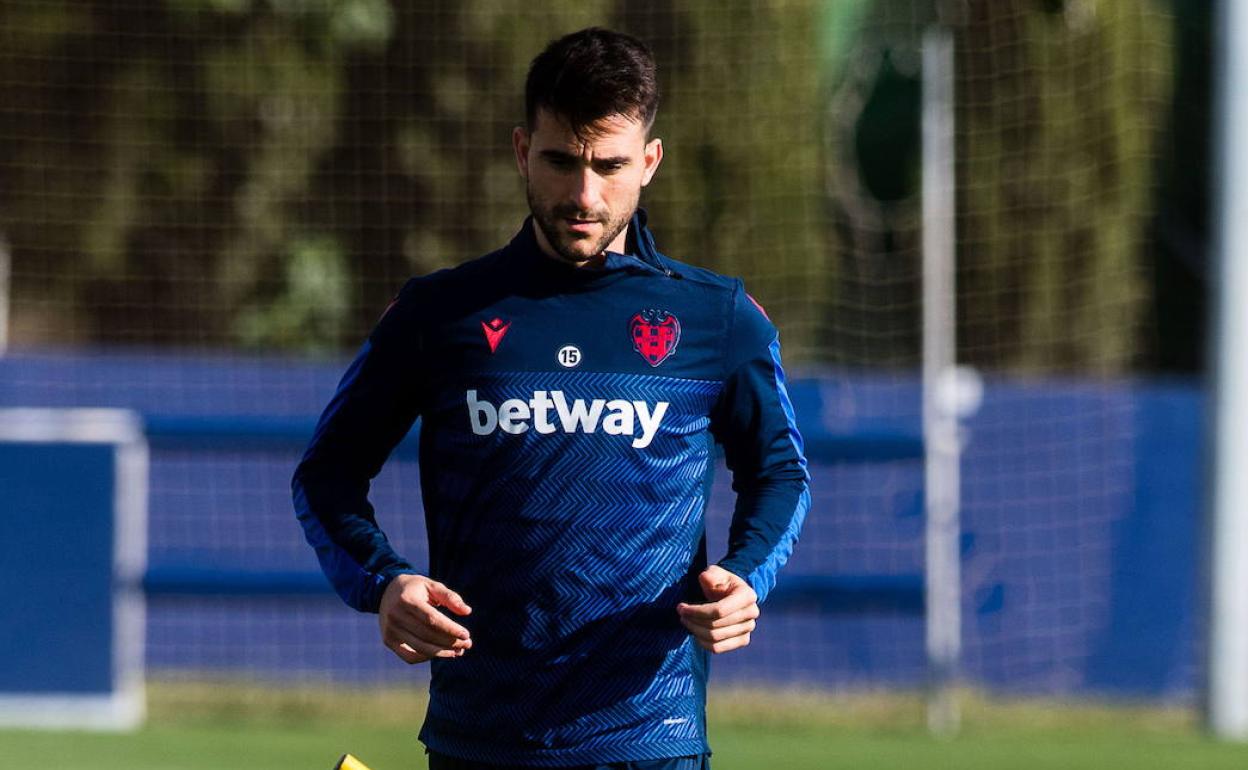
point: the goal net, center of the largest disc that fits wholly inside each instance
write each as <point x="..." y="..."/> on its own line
<point x="205" y="204"/>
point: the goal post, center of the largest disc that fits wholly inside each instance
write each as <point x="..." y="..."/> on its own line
<point x="5" y="269"/>
<point x="1227" y="676"/>
<point x="940" y="419"/>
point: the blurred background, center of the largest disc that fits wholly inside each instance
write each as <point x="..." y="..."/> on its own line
<point x="206" y="204"/>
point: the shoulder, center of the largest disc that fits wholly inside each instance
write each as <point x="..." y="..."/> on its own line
<point x="470" y="275"/>
<point x="439" y="295"/>
<point x="700" y="277"/>
<point x="750" y="332"/>
<point x="746" y="314"/>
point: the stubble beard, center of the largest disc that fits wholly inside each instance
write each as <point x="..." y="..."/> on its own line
<point x="549" y="219"/>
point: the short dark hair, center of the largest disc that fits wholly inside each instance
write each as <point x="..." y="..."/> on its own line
<point x="592" y="74"/>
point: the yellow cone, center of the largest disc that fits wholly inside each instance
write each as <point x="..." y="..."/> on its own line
<point x="349" y="762"/>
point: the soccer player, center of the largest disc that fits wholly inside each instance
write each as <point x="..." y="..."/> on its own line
<point x="570" y="386"/>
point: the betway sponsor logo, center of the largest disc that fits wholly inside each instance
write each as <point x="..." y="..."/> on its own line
<point x="548" y="412"/>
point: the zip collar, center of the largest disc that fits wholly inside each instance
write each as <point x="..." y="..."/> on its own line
<point x="642" y="255"/>
<point x="641" y="244"/>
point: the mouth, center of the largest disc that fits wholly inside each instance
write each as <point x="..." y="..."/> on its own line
<point x="580" y="225"/>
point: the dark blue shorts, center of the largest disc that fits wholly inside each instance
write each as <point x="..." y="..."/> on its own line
<point x="700" y="762"/>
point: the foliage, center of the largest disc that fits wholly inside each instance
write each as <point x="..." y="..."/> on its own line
<point x="1060" y="112"/>
<point x="740" y="189"/>
<point x="210" y="172"/>
<point x="1060" y="146"/>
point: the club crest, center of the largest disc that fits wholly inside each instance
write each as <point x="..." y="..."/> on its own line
<point x="655" y="334"/>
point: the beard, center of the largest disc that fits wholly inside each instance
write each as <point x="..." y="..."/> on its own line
<point x="573" y="247"/>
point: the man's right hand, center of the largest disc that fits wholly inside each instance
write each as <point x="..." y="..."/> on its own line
<point x="411" y="625"/>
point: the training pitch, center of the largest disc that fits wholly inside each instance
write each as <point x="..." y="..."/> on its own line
<point x="196" y="726"/>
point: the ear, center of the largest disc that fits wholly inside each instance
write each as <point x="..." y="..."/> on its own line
<point x="520" y="144"/>
<point x="653" y="156"/>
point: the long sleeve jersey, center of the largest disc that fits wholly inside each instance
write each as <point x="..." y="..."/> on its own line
<point x="568" y="417"/>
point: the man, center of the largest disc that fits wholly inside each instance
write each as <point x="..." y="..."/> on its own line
<point x="569" y="386"/>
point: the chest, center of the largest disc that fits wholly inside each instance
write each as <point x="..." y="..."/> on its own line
<point x="666" y="334"/>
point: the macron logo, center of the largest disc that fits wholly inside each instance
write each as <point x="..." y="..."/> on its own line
<point x="548" y="412"/>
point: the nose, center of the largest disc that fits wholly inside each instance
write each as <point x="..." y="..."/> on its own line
<point x="586" y="190"/>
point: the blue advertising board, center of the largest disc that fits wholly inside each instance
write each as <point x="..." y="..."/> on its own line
<point x="71" y="552"/>
<point x="1080" y="529"/>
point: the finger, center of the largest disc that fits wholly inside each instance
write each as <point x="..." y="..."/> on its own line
<point x="720" y="634"/>
<point x="414" y="650"/>
<point x="740" y="616"/>
<point x="749" y="612"/>
<point x="741" y="597"/>
<point x="734" y="602"/>
<point x="404" y="623"/>
<point x="431" y="650"/>
<point x="704" y="613"/>
<point x="407" y="627"/>
<point x="419" y="652"/>
<point x="406" y="654"/>
<point x="422" y="614"/>
<point x="442" y="596"/>
<point x="415" y="624"/>
<point x="715" y="581"/>
<point x="727" y="645"/>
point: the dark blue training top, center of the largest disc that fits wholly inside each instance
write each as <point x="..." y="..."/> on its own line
<point x="565" y="453"/>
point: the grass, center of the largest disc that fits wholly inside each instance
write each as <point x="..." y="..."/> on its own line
<point x="196" y="726"/>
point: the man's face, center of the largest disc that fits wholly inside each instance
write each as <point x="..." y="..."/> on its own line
<point x="583" y="189"/>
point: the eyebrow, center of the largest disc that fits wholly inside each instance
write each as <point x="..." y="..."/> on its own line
<point x="619" y="160"/>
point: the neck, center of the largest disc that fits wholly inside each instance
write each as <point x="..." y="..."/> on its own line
<point x="618" y="245"/>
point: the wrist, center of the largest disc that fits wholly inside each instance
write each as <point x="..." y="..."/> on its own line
<point x="392" y="579"/>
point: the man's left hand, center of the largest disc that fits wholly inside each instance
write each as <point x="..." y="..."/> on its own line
<point x="725" y="622"/>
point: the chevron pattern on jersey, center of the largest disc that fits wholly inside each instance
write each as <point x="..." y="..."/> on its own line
<point x="573" y="549"/>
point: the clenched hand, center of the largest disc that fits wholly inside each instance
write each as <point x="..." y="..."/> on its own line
<point x="725" y="622"/>
<point x="413" y="627"/>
